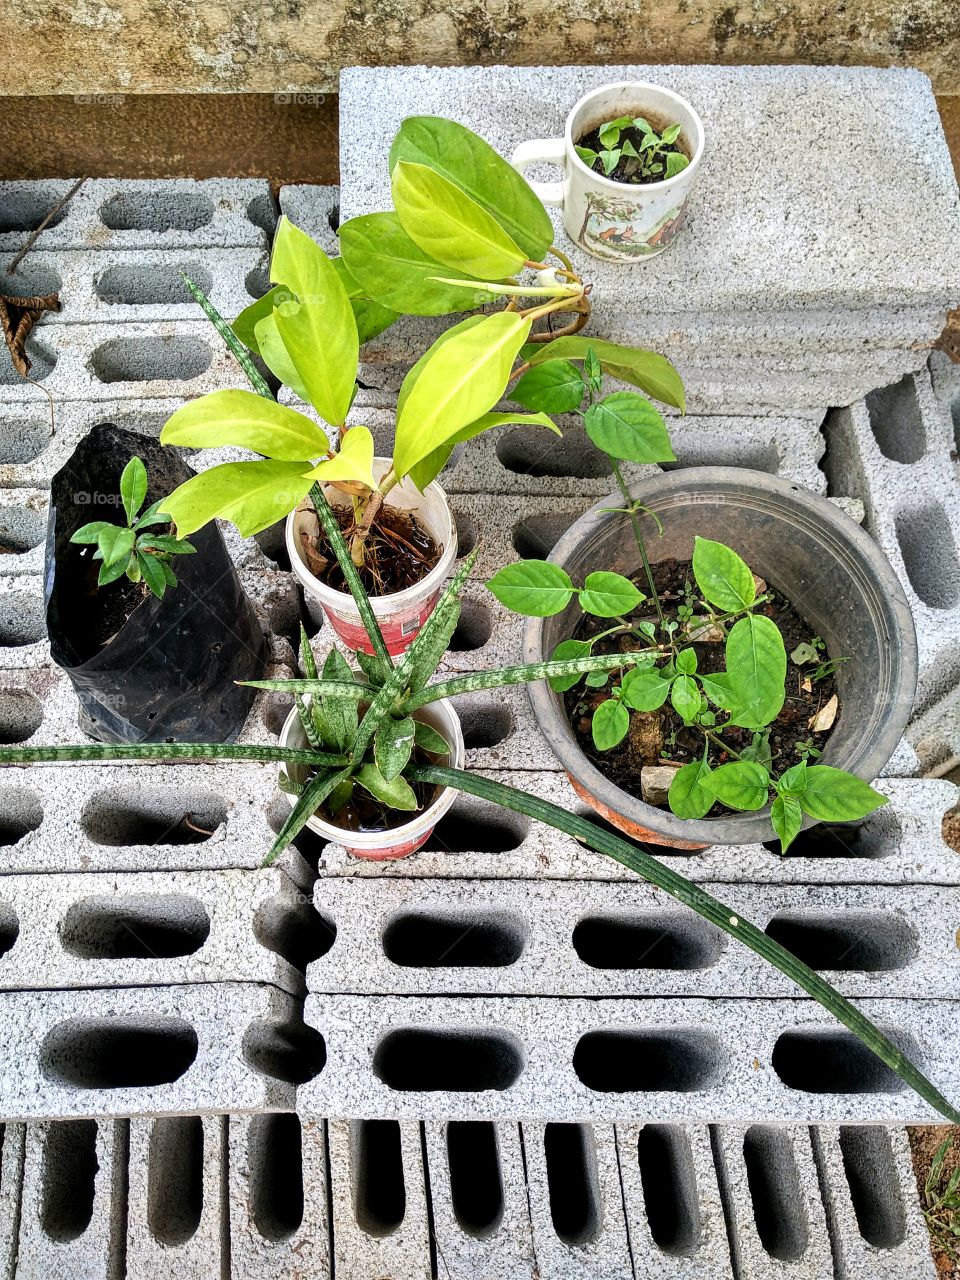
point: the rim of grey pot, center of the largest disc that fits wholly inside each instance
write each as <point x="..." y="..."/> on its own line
<point x="777" y="508"/>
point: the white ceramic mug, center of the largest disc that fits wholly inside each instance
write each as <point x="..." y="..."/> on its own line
<point x="617" y="221"/>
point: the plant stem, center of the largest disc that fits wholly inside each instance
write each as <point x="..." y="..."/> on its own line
<point x="167" y="751"/>
<point x="638" y="535"/>
<point x="719" y="742"/>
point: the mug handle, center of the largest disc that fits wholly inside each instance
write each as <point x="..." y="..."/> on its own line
<point x="542" y="151"/>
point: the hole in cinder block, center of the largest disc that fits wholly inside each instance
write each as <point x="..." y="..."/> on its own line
<point x="292" y="1051"/>
<point x="466" y="533"/>
<point x="867" y="941"/>
<point x="878" y="836"/>
<point x="257" y="282"/>
<point x="22" y="620"/>
<point x="424" y="1061"/>
<point x="896" y="422"/>
<point x="536" y="536"/>
<point x="273" y="543"/>
<point x="295" y="930"/>
<point x="674" y="1060"/>
<point x="570" y="1152"/>
<point x="875" y="1192"/>
<point x="69" y="1178"/>
<point x="264" y="212"/>
<point x="379" y="1190"/>
<point x="175" y="1178"/>
<point x="836" y="1062"/>
<point x="30" y="280"/>
<point x="42" y="359"/>
<point x="21" y="529"/>
<point x="166" y="359"/>
<point x="950" y="828"/>
<point x="424" y="940"/>
<point x="9" y="927"/>
<point x="529" y="452"/>
<point x="143" y="284"/>
<point x="275" y="1163"/>
<point x="21" y="811"/>
<point x="651" y="941"/>
<point x="775" y="1192"/>
<point x="148" y="926"/>
<point x="476" y="1182"/>
<point x="477" y="827"/>
<point x="669" y="1183"/>
<point x="21" y="714"/>
<point x="474" y="628"/>
<point x="929" y="554"/>
<point x="484" y="722"/>
<point x="644" y="846"/>
<point x="25" y="438"/>
<point x="157" y="208"/>
<point x="153" y="815"/>
<point x="26" y="208"/>
<point x="118" y="1052"/>
<point x="734" y="451"/>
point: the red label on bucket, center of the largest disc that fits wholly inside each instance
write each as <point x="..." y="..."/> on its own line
<point x="398" y="629"/>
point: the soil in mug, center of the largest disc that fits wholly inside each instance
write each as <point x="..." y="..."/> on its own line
<point x="627" y="170"/>
<point x="660" y="737"/>
<point x="399" y="551"/>
<point x="363" y="814"/>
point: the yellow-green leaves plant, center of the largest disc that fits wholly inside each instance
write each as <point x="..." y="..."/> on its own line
<point x="252" y="495"/>
<point x="245" y="420"/>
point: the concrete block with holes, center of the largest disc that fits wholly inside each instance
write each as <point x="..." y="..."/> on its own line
<point x="576" y="1202"/>
<point x="277" y="1196"/>
<point x="74" y="1202"/>
<point x="23" y="626"/>
<point x="870" y="1196"/>
<point x="775" y="1216"/>
<point x="177" y="1197"/>
<point x="160" y="1050"/>
<point x="381" y="1217"/>
<point x="315" y="209"/>
<point x="597" y="939"/>
<point x="11" y="1190"/>
<point x="478" y="1198"/>
<point x="165" y="213"/>
<point x="674" y="1213"/>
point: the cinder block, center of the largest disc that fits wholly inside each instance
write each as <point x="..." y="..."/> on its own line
<point x="23" y="624"/>
<point x="23" y="529"/>
<point x="678" y="1061"/>
<point x="478" y="1194"/>
<point x="597" y="939"/>
<point x="74" y="1200"/>
<point x="177" y="1223"/>
<point x="314" y="209"/>
<point x="672" y="1198"/>
<point x="159" y="1050"/>
<point x="870" y="1196"/>
<point x="576" y="1202"/>
<point x="935" y="736"/>
<point x="278" y="1183"/>
<point x="166" y="213"/>
<point x="775" y="1215"/>
<point x="381" y="1221"/>
<point x="11" y="1187"/>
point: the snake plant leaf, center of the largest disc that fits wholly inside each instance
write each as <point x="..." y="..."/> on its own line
<point x="336" y="717"/>
<point x="251" y="495"/>
<point x="245" y="421"/>
<point x="309" y="801"/>
<point x="392" y="745"/>
<point x="396" y="793"/>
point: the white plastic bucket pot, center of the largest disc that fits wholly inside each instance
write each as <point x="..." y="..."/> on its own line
<point x="402" y="614"/>
<point x="398" y="842"/>
<point x="617" y="221"/>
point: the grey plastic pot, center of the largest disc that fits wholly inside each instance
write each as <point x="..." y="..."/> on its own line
<point x="823" y="562"/>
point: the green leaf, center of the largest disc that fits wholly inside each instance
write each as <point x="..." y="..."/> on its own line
<point x="472" y="164"/>
<point x="688" y="796"/>
<point x="396" y="793"/>
<point x="670" y="134"/>
<point x="396" y="273"/>
<point x="277" y="358"/>
<point x="611" y="723"/>
<point x="311" y="798"/>
<point x="321" y="335"/>
<point x="644" y="689"/>
<point x="592" y="371"/>
<point x="555" y="387"/>
<point x="252" y="495"/>
<point x="168" y="545"/>
<point x="628" y="427"/>
<point x="676" y="163"/>
<point x="430" y="467"/>
<point x="793" y="782"/>
<point x="756" y="663"/>
<point x="245" y="324"/>
<point x="687" y="661"/>
<point x="742" y="785"/>
<point x="372" y="667"/>
<point x="596" y="679"/>
<point x="152" y="515"/>
<point x="723" y="578"/>
<point x="392" y="745"/>
<point x="568" y="649"/>
<point x="717" y="688"/>
<point x="428" y="739"/>
<point x="462" y="376"/>
<point x="232" y="342"/>
<point x="133" y="487"/>
<point x="89" y="534"/>
<point x="685" y="697"/>
<point x="111" y="572"/>
<point x="151" y="570"/>
<point x="609" y="160"/>
<point x="609" y="595"/>
<point x="245" y="421"/>
<point x="787" y="818"/>
<point x="534" y="588"/>
<point x="652" y="373"/>
<point x="336" y="718"/>
<point x="371" y="316"/>
<point x="451" y="227"/>
<point x="587" y="155"/>
<point x="353" y="460"/>
<point x="308" y="662"/>
<point x="115" y="544"/>
<point x="833" y="795"/>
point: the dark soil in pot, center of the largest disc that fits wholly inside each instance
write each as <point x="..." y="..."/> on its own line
<point x="398" y="553"/>
<point x="660" y="737"/>
<point x="628" y="170"/>
<point x="362" y="813"/>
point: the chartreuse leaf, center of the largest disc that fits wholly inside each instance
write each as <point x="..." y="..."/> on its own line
<point x="554" y="387"/>
<point x="832" y="795"/>
<point x="787" y="818"/>
<point x="371" y="316"/>
<point x="688" y="796"/>
<point x="652" y="373"/>
<point x="397" y="273"/>
<point x="644" y="689"/>
<point x="724" y="579"/>
<point x="245" y="421"/>
<point x="627" y="427"/>
<point x="610" y="725"/>
<point x="392" y="745"/>
<point x="246" y="322"/>
<point x="473" y="165"/>
<point x="396" y="793"/>
<point x="756" y="663"/>
<point x="447" y="224"/>
<point x="133" y="487"/>
<point x="741" y="785"/>
<point x="609" y="595"/>
<point x="252" y="495"/>
<point x="459" y="379"/>
<point x="534" y="588"/>
<point x="352" y="461"/>
<point x="319" y="332"/>
<point x="276" y="356"/>
<point x="564" y="650"/>
<point x="426" y="471"/>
